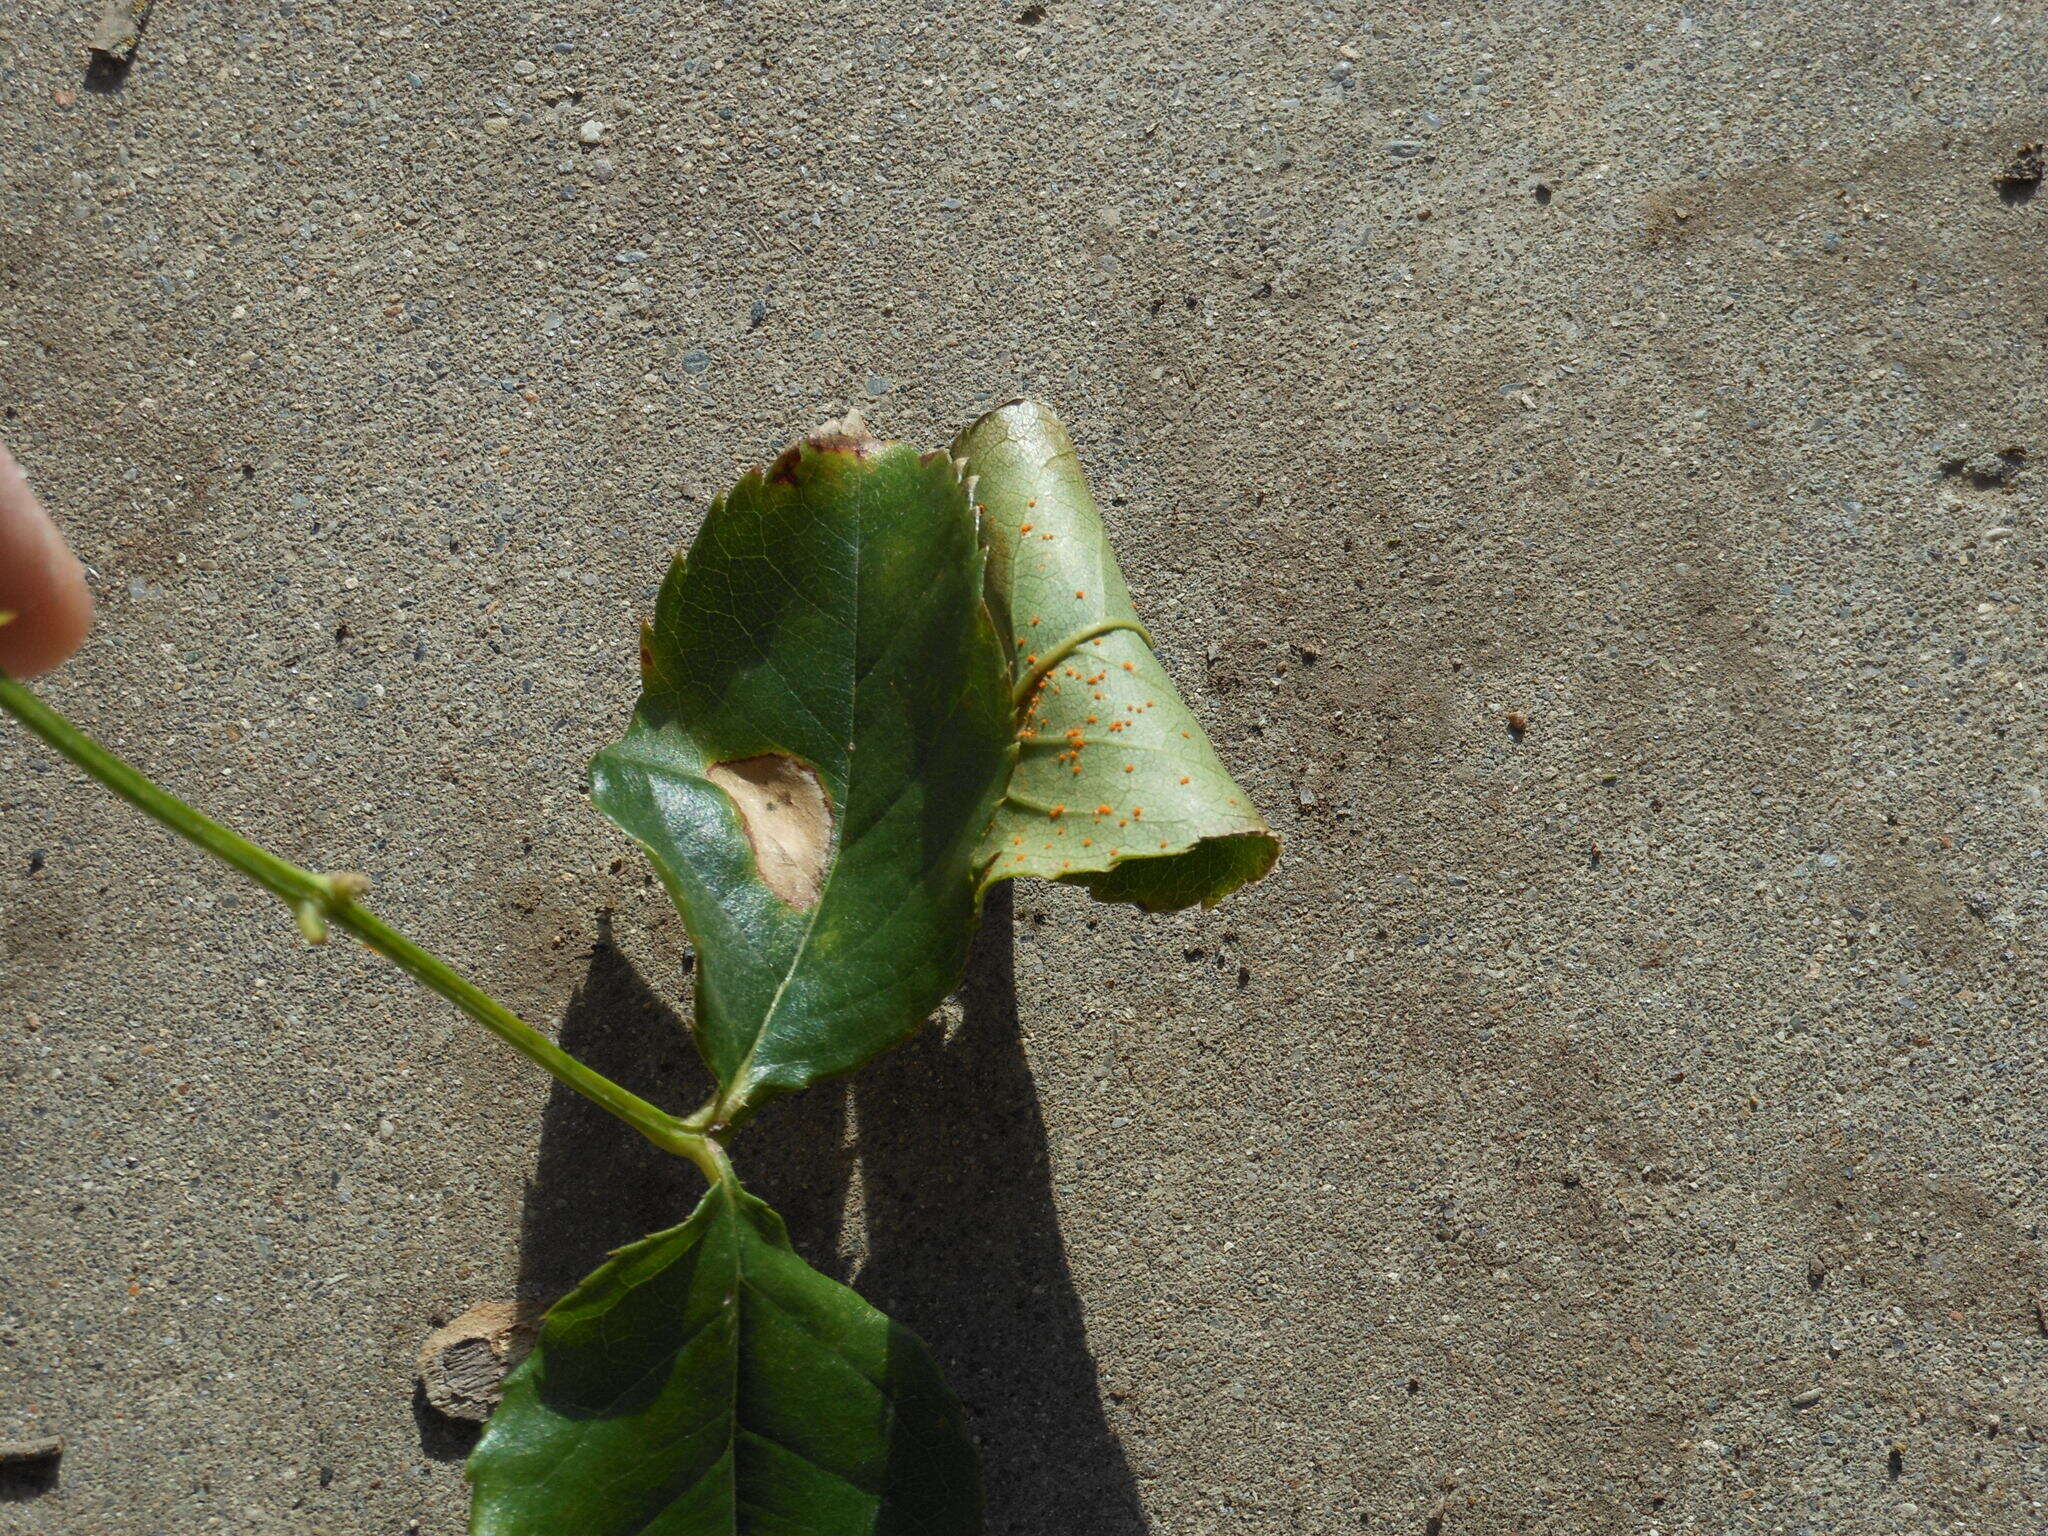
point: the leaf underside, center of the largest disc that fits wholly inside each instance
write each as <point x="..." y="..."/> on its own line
<point x="1116" y="788"/>
<point x="707" y="1382"/>
<point x="821" y="739"/>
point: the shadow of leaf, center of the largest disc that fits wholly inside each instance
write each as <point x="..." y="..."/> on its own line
<point x="20" y="1484"/>
<point x="963" y="1243"/>
<point x="441" y="1438"/>
<point x="598" y="1185"/>
<point x="964" y="1248"/>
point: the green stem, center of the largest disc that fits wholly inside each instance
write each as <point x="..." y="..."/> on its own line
<point x="317" y="901"/>
<point x="286" y="879"/>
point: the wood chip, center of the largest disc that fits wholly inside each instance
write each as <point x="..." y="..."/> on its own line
<point x="463" y="1365"/>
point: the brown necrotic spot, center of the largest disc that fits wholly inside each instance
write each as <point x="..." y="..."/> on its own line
<point x="788" y="821"/>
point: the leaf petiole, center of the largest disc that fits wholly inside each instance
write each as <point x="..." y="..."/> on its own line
<point x="318" y="902"/>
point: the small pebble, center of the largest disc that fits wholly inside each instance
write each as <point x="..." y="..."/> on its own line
<point x="20" y="1454"/>
<point x="696" y="361"/>
<point x="591" y="132"/>
<point x="525" y="69"/>
<point x="1807" y="1398"/>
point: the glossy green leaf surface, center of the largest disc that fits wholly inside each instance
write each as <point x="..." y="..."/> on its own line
<point x="822" y="737"/>
<point x="707" y="1382"/>
<point x="1117" y="788"/>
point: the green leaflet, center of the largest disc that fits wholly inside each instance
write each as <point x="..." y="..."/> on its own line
<point x="1117" y="788"/>
<point x="821" y="739"/>
<point x="707" y="1382"/>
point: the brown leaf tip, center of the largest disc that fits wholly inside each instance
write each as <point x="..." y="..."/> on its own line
<point x="463" y="1364"/>
<point x="847" y="434"/>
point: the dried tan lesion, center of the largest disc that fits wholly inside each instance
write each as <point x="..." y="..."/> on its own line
<point x="787" y="819"/>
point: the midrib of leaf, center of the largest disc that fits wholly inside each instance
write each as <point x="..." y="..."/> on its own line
<point x="1028" y="684"/>
<point x="732" y="1098"/>
<point x="739" y="1230"/>
<point x="742" y="1281"/>
<point x="731" y="1458"/>
<point x="667" y="1362"/>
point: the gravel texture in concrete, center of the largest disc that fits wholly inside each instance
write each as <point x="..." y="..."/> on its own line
<point x="1584" y="463"/>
